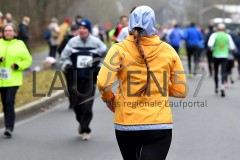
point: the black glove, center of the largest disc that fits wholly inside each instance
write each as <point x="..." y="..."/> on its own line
<point x="69" y="68"/>
<point x="15" y="66"/>
<point x="1" y="59"/>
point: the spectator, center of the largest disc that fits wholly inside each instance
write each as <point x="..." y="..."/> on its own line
<point x="54" y="33"/>
<point x="64" y="29"/>
<point x="78" y="19"/>
<point x="23" y="31"/>
<point x="1" y="20"/>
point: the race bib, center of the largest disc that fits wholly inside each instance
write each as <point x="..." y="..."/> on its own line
<point x="84" y="61"/>
<point x="5" y="73"/>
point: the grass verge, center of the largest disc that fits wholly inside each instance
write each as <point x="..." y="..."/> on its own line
<point x="42" y="84"/>
<point x="183" y="51"/>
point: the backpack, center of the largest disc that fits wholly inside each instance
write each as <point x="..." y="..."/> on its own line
<point x="47" y="34"/>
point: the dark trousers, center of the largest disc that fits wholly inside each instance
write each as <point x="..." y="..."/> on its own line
<point x="210" y="61"/>
<point x="83" y="110"/>
<point x="144" y="145"/>
<point x="230" y="65"/>
<point x="217" y="63"/>
<point x="8" y="95"/>
<point x="238" y="60"/>
<point x="193" y="51"/>
<point x="53" y="50"/>
<point x="69" y="80"/>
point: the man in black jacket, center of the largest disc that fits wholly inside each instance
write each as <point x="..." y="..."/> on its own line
<point x="23" y="31"/>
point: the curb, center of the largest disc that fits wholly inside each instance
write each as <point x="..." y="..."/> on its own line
<point x="35" y="106"/>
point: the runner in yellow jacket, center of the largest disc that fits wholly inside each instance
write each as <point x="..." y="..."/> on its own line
<point x="149" y="71"/>
<point x="14" y="58"/>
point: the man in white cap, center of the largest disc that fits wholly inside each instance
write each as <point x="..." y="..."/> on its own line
<point x="221" y="44"/>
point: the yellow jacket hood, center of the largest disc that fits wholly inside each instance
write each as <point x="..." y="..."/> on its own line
<point x="152" y="43"/>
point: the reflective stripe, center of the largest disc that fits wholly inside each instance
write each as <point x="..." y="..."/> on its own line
<point x="142" y="127"/>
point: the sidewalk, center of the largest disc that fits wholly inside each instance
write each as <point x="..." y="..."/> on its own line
<point x="38" y="59"/>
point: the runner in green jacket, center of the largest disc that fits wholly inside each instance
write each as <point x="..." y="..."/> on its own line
<point x="14" y="58"/>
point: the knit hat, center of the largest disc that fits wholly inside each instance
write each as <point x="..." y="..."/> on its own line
<point x="67" y="20"/>
<point x="143" y="17"/>
<point x="86" y="23"/>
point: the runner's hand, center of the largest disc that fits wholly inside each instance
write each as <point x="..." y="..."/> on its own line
<point x="69" y="68"/>
<point x="14" y="66"/>
<point x="110" y="104"/>
<point x="2" y="59"/>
